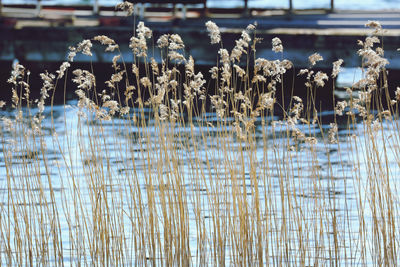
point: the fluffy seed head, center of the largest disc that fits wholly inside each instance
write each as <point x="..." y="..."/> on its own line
<point x="277" y="45"/>
<point x="64" y="66"/>
<point x="104" y="40"/>
<point x="320" y="78"/>
<point x="85" y="47"/>
<point x="397" y="94"/>
<point x="373" y="24"/>
<point x="125" y="6"/>
<point x="314" y="58"/>
<point x="213" y="32"/>
<point x="336" y="67"/>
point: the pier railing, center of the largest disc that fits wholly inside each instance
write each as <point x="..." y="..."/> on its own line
<point x="141" y="6"/>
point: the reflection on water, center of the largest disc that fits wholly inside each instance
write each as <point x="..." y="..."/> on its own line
<point x="174" y="190"/>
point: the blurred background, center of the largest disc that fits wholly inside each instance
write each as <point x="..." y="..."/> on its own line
<point x="38" y="33"/>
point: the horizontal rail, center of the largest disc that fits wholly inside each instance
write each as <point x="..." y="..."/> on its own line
<point x="185" y="2"/>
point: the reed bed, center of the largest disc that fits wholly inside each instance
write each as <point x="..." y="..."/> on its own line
<point x="164" y="167"/>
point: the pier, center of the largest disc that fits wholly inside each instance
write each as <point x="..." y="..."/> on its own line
<point x="44" y="33"/>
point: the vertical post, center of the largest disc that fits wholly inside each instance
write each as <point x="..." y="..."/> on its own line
<point x="290" y="6"/>
<point x="142" y="11"/>
<point x="332" y="5"/>
<point x="136" y="9"/>
<point x="246" y="8"/>
<point x="1" y="8"/>
<point x="205" y="9"/>
<point x="184" y="11"/>
<point x="38" y="7"/>
<point x="96" y="7"/>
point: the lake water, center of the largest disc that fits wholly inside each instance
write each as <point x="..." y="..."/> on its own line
<point x="320" y="203"/>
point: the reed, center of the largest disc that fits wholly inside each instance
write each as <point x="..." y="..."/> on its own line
<point x="164" y="167"/>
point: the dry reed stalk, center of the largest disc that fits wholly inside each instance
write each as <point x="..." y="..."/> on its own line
<point x="155" y="181"/>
